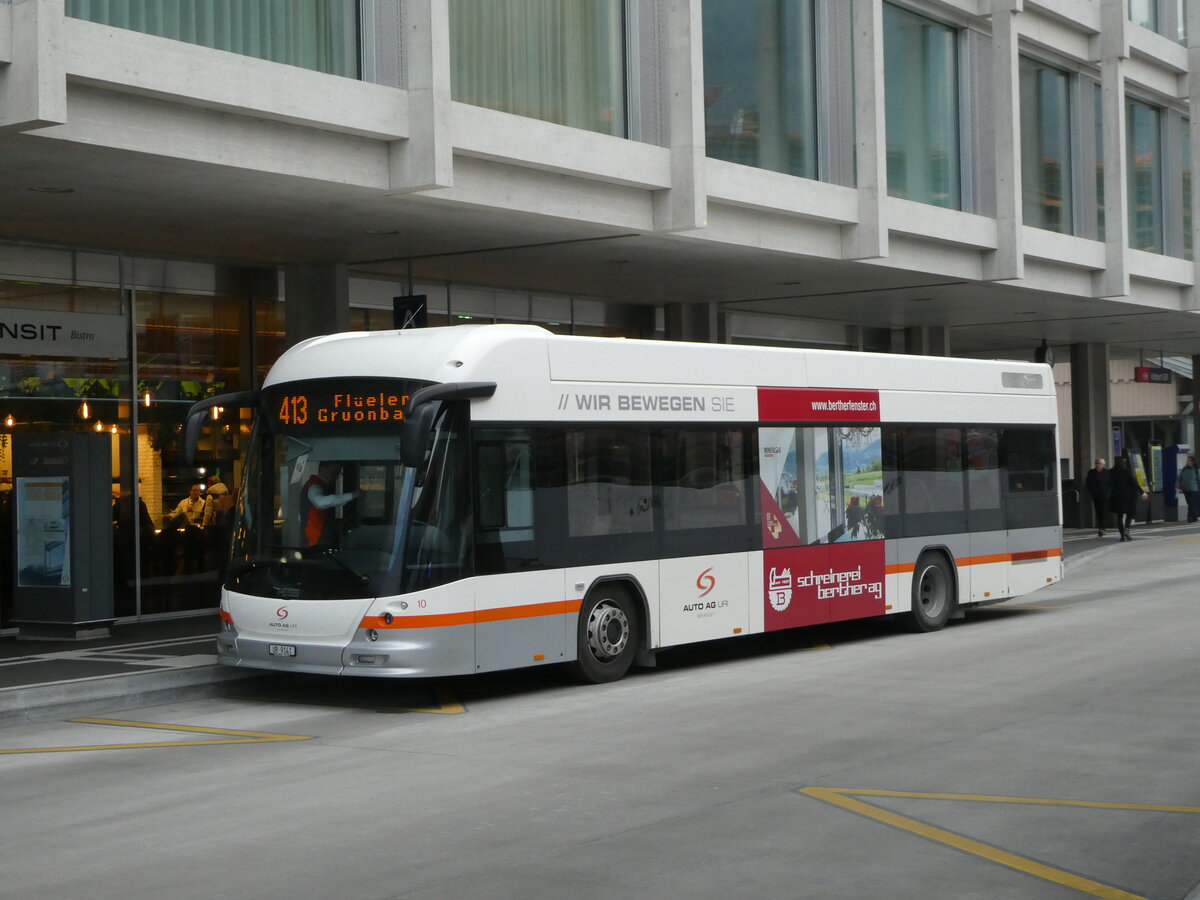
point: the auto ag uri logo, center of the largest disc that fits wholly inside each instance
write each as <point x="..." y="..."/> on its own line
<point x="706" y="582"/>
<point x="281" y="614"/>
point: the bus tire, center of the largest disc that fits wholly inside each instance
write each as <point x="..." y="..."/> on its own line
<point x="608" y="635"/>
<point x="933" y="593"/>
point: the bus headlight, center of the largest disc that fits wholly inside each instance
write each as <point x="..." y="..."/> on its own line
<point x="372" y="634"/>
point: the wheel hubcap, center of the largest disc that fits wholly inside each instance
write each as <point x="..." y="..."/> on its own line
<point x="607" y="630"/>
<point x="932" y="594"/>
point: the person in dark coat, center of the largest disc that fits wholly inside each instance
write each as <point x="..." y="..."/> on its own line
<point x="1124" y="493"/>
<point x="1097" y="483"/>
<point x="1189" y="486"/>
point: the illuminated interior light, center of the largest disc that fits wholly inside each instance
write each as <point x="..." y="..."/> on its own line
<point x="146" y="398"/>
<point x="84" y="410"/>
<point x="216" y="412"/>
<point x="9" y="421"/>
<point x="99" y="426"/>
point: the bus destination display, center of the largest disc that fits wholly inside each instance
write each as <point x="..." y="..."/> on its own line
<point x="330" y="405"/>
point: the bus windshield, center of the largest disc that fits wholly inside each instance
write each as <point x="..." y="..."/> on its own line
<point x="329" y="510"/>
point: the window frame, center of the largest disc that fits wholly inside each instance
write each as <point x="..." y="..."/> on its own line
<point x="966" y="199"/>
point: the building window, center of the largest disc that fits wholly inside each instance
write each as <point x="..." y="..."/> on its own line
<point x="312" y="34"/>
<point x="1046" y="170"/>
<point x="760" y="99"/>
<point x="922" y="107"/>
<point x="1186" y="190"/>
<point x="561" y="62"/>
<point x="1143" y="127"/>
<point x="1144" y="13"/>
<point x="1098" y="113"/>
<point x="1165" y="17"/>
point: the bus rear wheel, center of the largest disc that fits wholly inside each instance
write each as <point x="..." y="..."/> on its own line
<point x="607" y="638"/>
<point x="933" y="593"/>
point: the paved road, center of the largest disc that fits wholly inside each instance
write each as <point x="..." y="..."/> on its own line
<point x="1043" y="749"/>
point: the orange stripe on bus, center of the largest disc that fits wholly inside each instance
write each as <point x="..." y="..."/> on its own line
<point x="503" y="614"/>
<point x="985" y="560"/>
<point x="990" y="559"/>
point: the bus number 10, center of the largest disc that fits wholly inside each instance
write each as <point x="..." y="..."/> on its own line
<point x="294" y="410"/>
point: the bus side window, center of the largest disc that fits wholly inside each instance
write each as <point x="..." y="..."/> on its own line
<point x="505" y="500"/>
<point x="609" y="484"/>
<point x="704" y="476"/>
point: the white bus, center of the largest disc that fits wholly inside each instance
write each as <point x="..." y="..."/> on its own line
<point x="507" y="497"/>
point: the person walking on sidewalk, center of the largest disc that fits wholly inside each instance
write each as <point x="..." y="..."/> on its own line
<point x="1189" y="486"/>
<point x="1124" y="495"/>
<point x="1098" y="486"/>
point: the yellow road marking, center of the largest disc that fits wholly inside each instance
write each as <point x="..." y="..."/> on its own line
<point x="842" y="797"/>
<point x="230" y="736"/>
<point x="448" y="704"/>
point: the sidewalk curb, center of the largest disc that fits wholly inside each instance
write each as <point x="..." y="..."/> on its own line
<point x="106" y="693"/>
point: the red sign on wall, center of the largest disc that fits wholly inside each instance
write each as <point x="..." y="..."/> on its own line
<point x="1151" y="375"/>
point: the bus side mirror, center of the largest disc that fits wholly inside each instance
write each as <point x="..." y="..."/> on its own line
<point x="414" y="431"/>
<point x="198" y="411"/>
<point x="414" y="435"/>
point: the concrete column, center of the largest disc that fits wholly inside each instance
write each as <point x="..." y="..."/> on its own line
<point x="1008" y="261"/>
<point x="1114" y="51"/>
<point x="426" y="159"/>
<point x="690" y="322"/>
<point x="868" y="238"/>
<point x="684" y="206"/>
<point x="1194" y="437"/>
<point x="33" y="87"/>
<point x="922" y="340"/>
<point x="317" y="300"/>
<point x="1092" y="422"/>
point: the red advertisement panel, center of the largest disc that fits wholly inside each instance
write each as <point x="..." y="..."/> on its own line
<point x="823" y="583"/>
<point x="817" y="405"/>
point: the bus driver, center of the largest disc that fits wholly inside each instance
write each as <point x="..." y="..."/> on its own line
<point x="318" y="499"/>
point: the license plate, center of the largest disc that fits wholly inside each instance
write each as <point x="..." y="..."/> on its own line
<point x="281" y="650"/>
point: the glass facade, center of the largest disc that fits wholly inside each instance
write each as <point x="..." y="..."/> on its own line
<point x="561" y="62"/>
<point x="1046" y="170"/>
<point x="49" y="385"/>
<point x="312" y="34"/>
<point x="760" y="95"/>
<point x="1145" y="176"/>
<point x="115" y="359"/>
<point x="188" y="348"/>
<point x="922" y="107"/>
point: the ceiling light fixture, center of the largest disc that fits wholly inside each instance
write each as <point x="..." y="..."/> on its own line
<point x="52" y="189"/>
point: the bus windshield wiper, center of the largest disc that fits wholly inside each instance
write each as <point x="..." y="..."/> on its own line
<point x="238" y="569"/>
<point x="320" y="553"/>
<point x="362" y="579"/>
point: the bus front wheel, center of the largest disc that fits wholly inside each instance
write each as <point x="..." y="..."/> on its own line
<point x="607" y="638"/>
<point x="933" y="593"/>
